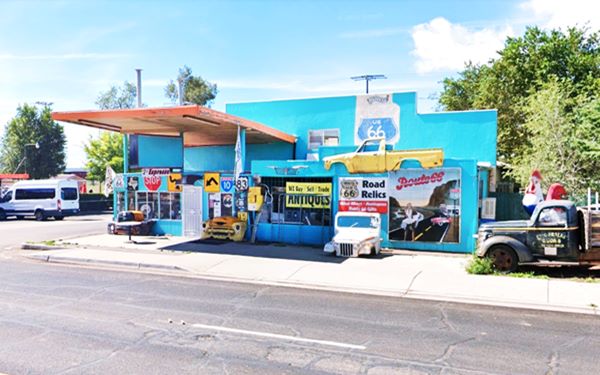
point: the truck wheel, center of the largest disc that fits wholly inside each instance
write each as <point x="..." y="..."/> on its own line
<point x="2" y="215"/>
<point x="39" y="215"/>
<point x="504" y="258"/>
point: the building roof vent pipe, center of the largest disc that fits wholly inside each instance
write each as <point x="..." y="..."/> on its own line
<point x="139" y="87"/>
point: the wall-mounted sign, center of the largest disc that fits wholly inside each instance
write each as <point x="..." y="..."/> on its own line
<point x="226" y="184"/>
<point x="132" y="183"/>
<point x="241" y="183"/>
<point x="320" y="188"/>
<point x="153" y="177"/>
<point x="119" y="182"/>
<point x="308" y="194"/>
<point x="174" y="182"/>
<point x="424" y="205"/>
<point x="377" y="116"/>
<point x="211" y="182"/>
<point x="363" y="194"/>
<point x="156" y="171"/>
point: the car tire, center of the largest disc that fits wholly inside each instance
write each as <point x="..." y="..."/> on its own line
<point x="59" y="218"/>
<point x="39" y="215"/>
<point x="504" y="258"/>
<point x="2" y="215"/>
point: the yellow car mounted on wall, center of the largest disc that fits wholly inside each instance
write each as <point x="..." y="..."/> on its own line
<point x="381" y="160"/>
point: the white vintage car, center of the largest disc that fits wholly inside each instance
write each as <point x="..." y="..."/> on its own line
<point x="356" y="233"/>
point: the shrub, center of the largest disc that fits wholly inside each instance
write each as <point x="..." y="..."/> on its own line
<point x="480" y="266"/>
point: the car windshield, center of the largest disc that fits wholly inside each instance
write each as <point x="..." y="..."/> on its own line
<point x="356" y="222"/>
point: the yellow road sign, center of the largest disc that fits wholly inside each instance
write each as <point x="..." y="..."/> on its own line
<point x="212" y="183"/>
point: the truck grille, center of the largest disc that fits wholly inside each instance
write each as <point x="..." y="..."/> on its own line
<point x="346" y="249"/>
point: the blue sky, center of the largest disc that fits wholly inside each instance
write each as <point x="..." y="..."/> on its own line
<point x="67" y="52"/>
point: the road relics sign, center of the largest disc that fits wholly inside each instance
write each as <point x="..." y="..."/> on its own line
<point x="377" y="116"/>
<point x="308" y="194"/>
<point x="211" y="182"/>
<point x="363" y="194"/>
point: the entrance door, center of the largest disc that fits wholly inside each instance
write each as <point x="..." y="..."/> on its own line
<point x="192" y="211"/>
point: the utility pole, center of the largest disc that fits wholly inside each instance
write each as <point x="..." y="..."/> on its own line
<point x="367" y="78"/>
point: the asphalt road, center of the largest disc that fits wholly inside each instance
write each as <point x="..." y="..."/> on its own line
<point x="14" y="232"/>
<point x="68" y="320"/>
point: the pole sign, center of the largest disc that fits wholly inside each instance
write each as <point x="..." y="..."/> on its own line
<point x="364" y="194"/>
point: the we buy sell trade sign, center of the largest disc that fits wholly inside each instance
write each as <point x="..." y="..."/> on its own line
<point x="363" y="194"/>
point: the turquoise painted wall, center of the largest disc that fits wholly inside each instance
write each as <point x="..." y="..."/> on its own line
<point x="221" y="158"/>
<point x="160" y="151"/>
<point x="462" y="135"/>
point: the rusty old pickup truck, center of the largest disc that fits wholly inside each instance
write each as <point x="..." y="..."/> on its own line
<point x="372" y="156"/>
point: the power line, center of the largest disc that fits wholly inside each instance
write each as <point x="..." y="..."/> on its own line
<point x="368" y="77"/>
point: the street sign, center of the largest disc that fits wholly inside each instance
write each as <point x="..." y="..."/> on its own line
<point x="211" y="182"/>
<point x="241" y="183"/>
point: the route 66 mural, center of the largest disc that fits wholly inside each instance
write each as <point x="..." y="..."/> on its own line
<point x="376" y="116"/>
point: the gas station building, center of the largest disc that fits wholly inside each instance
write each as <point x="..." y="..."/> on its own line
<point x="179" y="167"/>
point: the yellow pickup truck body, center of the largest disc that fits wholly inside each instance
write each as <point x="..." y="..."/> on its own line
<point x="382" y="160"/>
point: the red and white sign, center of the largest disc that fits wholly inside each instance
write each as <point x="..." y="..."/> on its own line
<point x="363" y="194"/>
<point x="153" y="177"/>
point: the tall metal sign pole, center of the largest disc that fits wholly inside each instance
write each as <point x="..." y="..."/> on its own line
<point x="368" y="77"/>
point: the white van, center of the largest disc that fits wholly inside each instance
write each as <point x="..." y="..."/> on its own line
<point x="41" y="199"/>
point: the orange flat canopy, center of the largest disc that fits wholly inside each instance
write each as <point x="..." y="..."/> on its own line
<point x="200" y="126"/>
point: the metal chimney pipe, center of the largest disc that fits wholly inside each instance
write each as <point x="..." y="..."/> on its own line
<point x="139" y="87"/>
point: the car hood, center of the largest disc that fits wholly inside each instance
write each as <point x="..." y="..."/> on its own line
<point x="505" y="224"/>
<point x="354" y="235"/>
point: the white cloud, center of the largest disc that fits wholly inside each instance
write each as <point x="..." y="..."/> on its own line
<point x="442" y="46"/>
<point x="561" y="14"/>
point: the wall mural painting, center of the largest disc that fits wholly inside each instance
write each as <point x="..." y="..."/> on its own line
<point x="424" y="205"/>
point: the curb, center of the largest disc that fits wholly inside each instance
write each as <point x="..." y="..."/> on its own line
<point x="33" y="246"/>
<point x="407" y="293"/>
<point x="70" y="260"/>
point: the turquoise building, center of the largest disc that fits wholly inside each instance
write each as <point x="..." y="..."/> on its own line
<point x="182" y="164"/>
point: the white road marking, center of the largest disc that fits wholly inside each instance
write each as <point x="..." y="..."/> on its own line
<point x="280" y="337"/>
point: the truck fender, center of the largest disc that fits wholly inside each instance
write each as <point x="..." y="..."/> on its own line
<point x="522" y="251"/>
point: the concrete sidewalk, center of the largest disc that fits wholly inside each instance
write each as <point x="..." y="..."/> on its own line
<point x="410" y="275"/>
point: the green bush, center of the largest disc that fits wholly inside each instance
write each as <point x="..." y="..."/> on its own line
<point x="480" y="266"/>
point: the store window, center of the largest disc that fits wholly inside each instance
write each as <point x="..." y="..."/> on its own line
<point x="147" y="202"/>
<point x="120" y="201"/>
<point x="302" y="208"/>
<point x="321" y="137"/>
<point x="170" y="206"/>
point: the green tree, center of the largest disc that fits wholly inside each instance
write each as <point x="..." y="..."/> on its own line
<point x="118" y="97"/>
<point x="29" y="127"/>
<point x="525" y="64"/>
<point x="196" y="90"/>
<point x="105" y="150"/>
<point x="565" y="138"/>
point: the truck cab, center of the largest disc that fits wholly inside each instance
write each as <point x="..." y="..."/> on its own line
<point x="356" y="233"/>
<point x="555" y="232"/>
<point x="373" y="156"/>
